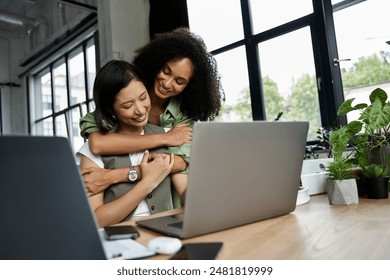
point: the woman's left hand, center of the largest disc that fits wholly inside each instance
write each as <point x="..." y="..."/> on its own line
<point x="155" y="167"/>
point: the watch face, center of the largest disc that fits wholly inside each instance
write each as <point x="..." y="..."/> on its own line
<point x="133" y="176"/>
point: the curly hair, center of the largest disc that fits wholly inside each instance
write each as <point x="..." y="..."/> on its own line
<point x="201" y="98"/>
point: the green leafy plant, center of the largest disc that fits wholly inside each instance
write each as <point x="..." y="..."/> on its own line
<point x="367" y="135"/>
<point x="374" y="117"/>
<point x="375" y="171"/>
<point x="340" y="169"/>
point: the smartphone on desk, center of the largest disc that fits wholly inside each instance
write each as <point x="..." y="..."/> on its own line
<point x="198" y="251"/>
<point x="120" y="232"/>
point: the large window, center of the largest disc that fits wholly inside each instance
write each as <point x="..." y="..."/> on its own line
<point x="62" y="91"/>
<point x="277" y="56"/>
<point x="282" y="65"/>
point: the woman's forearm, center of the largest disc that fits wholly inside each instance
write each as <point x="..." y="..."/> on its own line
<point x="115" y="211"/>
<point x="97" y="179"/>
<point x="179" y="165"/>
<point x="116" y="144"/>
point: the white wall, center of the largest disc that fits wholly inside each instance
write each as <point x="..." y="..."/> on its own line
<point x="13" y="100"/>
<point x="123" y="27"/>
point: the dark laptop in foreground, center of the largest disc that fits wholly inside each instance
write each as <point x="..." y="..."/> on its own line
<point x="239" y="173"/>
<point x="44" y="209"/>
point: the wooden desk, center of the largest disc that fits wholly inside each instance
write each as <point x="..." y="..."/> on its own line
<point x="315" y="230"/>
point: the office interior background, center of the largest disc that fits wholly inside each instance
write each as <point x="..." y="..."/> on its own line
<point x="302" y="58"/>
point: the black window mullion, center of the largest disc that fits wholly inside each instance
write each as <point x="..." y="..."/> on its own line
<point x="252" y="54"/>
<point x="67" y="79"/>
<point x="68" y="93"/>
<point x="86" y="76"/>
<point x="66" y="116"/>
<point x="329" y="82"/>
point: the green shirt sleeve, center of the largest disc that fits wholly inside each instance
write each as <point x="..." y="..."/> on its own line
<point x="172" y="117"/>
<point x="88" y="125"/>
<point x="184" y="152"/>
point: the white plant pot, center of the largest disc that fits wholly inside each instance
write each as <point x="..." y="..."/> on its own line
<point x="342" y="192"/>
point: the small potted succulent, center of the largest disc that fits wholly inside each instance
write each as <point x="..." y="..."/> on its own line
<point x="341" y="184"/>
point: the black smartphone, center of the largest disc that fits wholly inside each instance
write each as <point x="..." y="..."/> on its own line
<point x="120" y="232"/>
<point x="198" y="251"/>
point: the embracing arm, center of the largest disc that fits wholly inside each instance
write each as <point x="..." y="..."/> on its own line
<point x="97" y="179"/>
<point x="115" y="143"/>
<point x="114" y="212"/>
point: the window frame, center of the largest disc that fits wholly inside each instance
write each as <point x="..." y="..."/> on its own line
<point x="84" y="107"/>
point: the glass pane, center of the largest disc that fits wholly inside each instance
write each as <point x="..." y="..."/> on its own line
<point x="60" y="93"/>
<point x="91" y="106"/>
<point x="47" y="127"/>
<point x="289" y="81"/>
<point x="219" y="24"/>
<point x="234" y="77"/>
<point x="363" y="36"/>
<point x="83" y="109"/>
<point x="77" y="78"/>
<point x="61" y="129"/>
<point x="269" y="14"/>
<point x="43" y="99"/>
<point x="91" y="65"/>
<point x="77" y="140"/>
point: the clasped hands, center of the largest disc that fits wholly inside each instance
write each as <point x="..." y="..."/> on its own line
<point x="154" y="168"/>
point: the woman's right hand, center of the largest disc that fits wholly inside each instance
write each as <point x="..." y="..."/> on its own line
<point x="154" y="170"/>
<point x="179" y="135"/>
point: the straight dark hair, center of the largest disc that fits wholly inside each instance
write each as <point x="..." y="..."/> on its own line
<point x="109" y="81"/>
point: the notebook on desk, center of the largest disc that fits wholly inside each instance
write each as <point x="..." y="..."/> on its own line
<point x="239" y="173"/>
<point x="44" y="209"/>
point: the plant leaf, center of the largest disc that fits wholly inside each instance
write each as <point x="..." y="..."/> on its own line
<point x="378" y="93"/>
<point x="339" y="138"/>
<point x="347" y="107"/>
<point x="378" y="116"/>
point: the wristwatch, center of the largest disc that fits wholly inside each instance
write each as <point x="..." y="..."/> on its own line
<point x="133" y="175"/>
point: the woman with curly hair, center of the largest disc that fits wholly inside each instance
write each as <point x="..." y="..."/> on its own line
<point x="182" y="79"/>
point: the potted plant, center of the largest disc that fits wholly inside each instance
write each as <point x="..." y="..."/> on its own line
<point x="368" y="139"/>
<point x="376" y="180"/>
<point x="341" y="184"/>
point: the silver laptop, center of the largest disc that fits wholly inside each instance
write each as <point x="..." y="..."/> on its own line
<point x="239" y="173"/>
<point x="44" y="209"/>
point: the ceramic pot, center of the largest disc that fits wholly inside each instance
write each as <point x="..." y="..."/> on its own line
<point x="342" y="192"/>
<point x="377" y="188"/>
